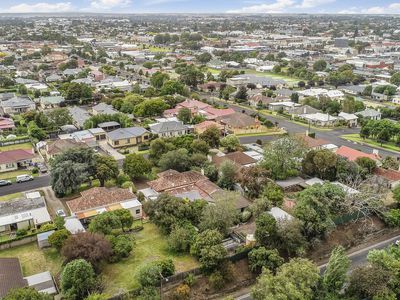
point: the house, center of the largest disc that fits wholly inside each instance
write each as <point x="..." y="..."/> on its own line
<point x="170" y="128"/>
<point x="203" y="126"/>
<point x="79" y="115"/>
<point x="313" y="143"/>
<point x="97" y="200"/>
<point x="6" y="124"/>
<point x="23" y="213"/>
<point x="350" y="119"/>
<point x="126" y="137"/>
<point x="104" y="109"/>
<point x="370" y="114"/>
<point x="109" y="126"/>
<point x="51" y="101"/>
<point x="189" y="185"/>
<point x="238" y="158"/>
<point x="17" y="105"/>
<point x="53" y="78"/>
<point x="12" y="278"/>
<point x="61" y="145"/>
<point x="238" y="121"/>
<point x="320" y="119"/>
<point x="392" y="177"/>
<point x="259" y="100"/>
<point x="379" y="97"/>
<point x="14" y="159"/>
<point x="279" y="214"/>
<point x="73" y="225"/>
<point x="352" y="154"/>
<point x="284" y="105"/>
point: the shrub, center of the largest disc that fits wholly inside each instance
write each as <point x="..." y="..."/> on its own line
<point x="77" y="279"/>
<point x="57" y="238"/>
<point x="122" y="178"/>
<point x="245" y="216"/>
<point x="190" y="279"/>
<point x="122" y="246"/>
<point x="47" y="227"/>
<point x="35" y="170"/>
<point x="216" y="280"/>
<point x="182" y="292"/>
<point x="21" y="232"/>
<point x="149" y="275"/>
<point x="128" y="184"/>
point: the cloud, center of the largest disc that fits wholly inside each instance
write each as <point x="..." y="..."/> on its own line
<point x="41" y="7"/>
<point x="393" y="8"/>
<point x="155" y="2"/>
<point x="314" y="3"/>
<point x="108" y="4"/>
<point x="278" y="6"/>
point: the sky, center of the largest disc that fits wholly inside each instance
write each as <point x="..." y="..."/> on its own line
<point x="202" y="6"/>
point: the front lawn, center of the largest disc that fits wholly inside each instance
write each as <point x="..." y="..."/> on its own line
<point x="33" y="260"/>
<point x="150" y="246"/>
<point x="356" y="138"/>
<point x="10" y="196"/>
<point x="24" y="146"/>
<point x="13" y="174"/>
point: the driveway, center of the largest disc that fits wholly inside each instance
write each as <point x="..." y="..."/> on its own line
<point x="112" y="152"/>
<point x="53" y="203"/>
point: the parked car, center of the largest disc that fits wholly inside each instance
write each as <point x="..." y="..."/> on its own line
<point x="61" y="213"/>
<point x="5" y="182"/>
<point x="42" y="167"/>
<point x="23" y="178"/>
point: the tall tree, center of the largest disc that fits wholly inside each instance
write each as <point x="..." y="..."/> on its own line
<point x="106" y="168"/>
<point x="77" y="279"/>
<point x="135" y="166"/>
<point x="335" y="275"/>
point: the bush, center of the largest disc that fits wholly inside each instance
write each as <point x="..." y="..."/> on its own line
<point x="190" y="279"/>
<point x="245" y="216"/>
<point x="128" y="184"/>
<point x="122" y="246"/>
<point x="21" y="232"/>
<point x="216" y="280"/>
<point x="47" y="227"/>
<point x="149" y="275"/>
<point x="148" y="293"/>
<point x="77" y="279"/>
<point x="57" y="238"/>
<point x="35" y="170"/>
<point x="182" y="292"/>
<point x="122" y="178"/>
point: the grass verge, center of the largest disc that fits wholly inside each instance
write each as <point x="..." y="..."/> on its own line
<point x="356" y="138"/>
<point x="10" y="196"/>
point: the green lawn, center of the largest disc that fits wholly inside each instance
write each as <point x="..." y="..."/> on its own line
<point x="356" y="138"/>
<point x="289" y="80"/>
<point x="150" y="246"/>
<point x="24" y="146"/>
<point x="10" y="196"/>
<point x="33" y="260"/>
<point x="13" y="174"/>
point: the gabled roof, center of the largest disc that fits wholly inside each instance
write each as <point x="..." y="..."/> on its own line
<point x="352" y="154"/>
<point x="391" y="175"/>
<point x="10" y="275"/>
<point x="59" y="146"/>
<point x="15" y="156"/>
<point x="126" y="133"/>
<point x="99" y="197"/>
<point x="167" y="126"/>
<point x="238" y="158"/>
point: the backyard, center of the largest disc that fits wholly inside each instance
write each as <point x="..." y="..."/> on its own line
<point x="150" y="245"/>
<point x="24" y="146"/>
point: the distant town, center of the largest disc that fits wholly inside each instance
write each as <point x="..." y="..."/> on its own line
<point x="179" y="157"/>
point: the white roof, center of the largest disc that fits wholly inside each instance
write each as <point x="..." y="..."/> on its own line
<point x="43" y="282"/>
<point x="73" y="225"/>
<point x="253" y="154"/>
<point x="319" y="117"/>
<point x="33" y="195"/>
<point x="279" y="214"/>
<point x="149" y="193"/>
<point x="334" y="93"/>
<point x="313" y="181"/>
<point x="131" y="204"/>
<point x="330" y="146"/>
<point x="38" y="215"/>
<point x="347" y="116"/>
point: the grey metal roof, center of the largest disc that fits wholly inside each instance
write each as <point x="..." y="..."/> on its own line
<point x="17" y="102"/>
<point x="126" y="133"/>
<point x="79" y="115"/>
<point x="108" y="124"/>
<point x="168" y="126"/>
<point x="20" y="205"/>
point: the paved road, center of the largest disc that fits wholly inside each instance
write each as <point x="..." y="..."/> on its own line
<point x="38" y="182"/>
<point x="332" y="136"/>
<point x="357" y="258"/>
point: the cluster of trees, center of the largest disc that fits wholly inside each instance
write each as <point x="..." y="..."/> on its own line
<point x="76" y="166"/>
<point x="189" y="74"/>
<point x="120" y="118"/>
<point x="388" y="90"/>
<point x="77" y="92"/>
<point x="382" y="131"/>
<point x="343" y="75"/>
<point x="333" y="107"/>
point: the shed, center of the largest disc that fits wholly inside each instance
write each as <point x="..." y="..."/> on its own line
<point x="43" y="239"/>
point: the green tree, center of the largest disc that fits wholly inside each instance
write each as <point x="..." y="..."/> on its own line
<point x="136" y="166"/>
<point x="106" y="168"/>
<point x="227" y="175"/>
<point x="261" y="257"/>
<point x="77" y="279"/>
<point x="273" y="193"/>
<point x="26" y="293"/>
<point x="320" y="65"/>
<point x="335" y="275"/>
<point x="230" y="143"/>
<point x="266" y="232"/>
<point x="253" y="179"/>
<point x="185" y="115"/>
<point x="241" y="95"/>
<point x="57" y="238"/>
<point x="395" y="79"/>
<point x="211" y="136"/>
<point x="178" y="160"/>
<point x="297" y="280"/>
<point x="367" y="164"/>
<point x="181" y="237"/>
<point x="104" y="223"/>
<point x="122" y="246"/>
<point x="158" y="78"/>
<point x="222" y="215"/>
<point x="199" y="146"/>
<point x="283" y="157"/>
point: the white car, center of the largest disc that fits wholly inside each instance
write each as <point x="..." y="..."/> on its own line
<point x="61" y="213"/>
<point x="23" y="178"/>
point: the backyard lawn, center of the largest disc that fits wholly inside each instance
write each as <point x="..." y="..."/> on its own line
<point x="150" y="246"/>
<point x="356" y="138"/>
<point x="24" y="146"/>
<point x="33" y="260"/>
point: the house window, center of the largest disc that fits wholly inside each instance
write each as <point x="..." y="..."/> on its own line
<point x="116" y="143"/>
<point x="146" y="137"/>
<point x="9" y="166"/>
<point x="138" y="211"/>
<point x="128" y="141"/>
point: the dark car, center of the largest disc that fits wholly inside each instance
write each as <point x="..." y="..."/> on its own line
<point x="5" y="182"/>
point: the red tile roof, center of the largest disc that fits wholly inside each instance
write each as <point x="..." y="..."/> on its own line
<point x="15" y="156"/>
<point x="352" y="154"/>
<point x="391" y="175"/>
<point x="99" y="197"/>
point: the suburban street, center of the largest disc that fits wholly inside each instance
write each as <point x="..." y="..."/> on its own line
<point x="37" y="183"/>
<point x="357" y="258"/>
<point x="332" y="136"/>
